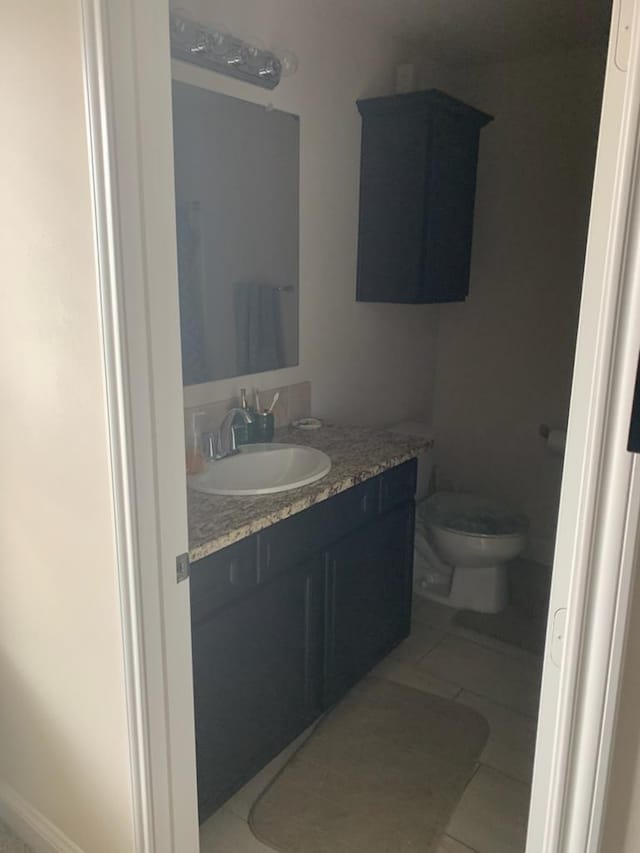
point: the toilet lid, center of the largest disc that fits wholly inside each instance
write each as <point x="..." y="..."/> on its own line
<point x="473" y="515"/>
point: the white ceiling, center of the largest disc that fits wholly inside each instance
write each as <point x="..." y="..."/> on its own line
<point x="484" y="30"/>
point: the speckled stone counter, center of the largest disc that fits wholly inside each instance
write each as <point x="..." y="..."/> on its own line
<point x="356" y="453"/>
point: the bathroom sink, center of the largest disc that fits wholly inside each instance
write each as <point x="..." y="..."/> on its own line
<point x="262" y="469"/>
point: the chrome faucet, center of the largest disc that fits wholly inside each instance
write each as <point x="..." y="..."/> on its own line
<point x="222" y="442"/>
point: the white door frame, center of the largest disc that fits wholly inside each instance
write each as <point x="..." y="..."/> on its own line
<point x="128" y="100"/>
<point x="127" y="65"/>
<point x="600" y="501"/>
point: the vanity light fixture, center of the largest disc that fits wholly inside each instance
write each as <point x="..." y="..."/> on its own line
<point x="218" y="50"/>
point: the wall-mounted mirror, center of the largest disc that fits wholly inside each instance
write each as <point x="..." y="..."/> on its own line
<point x="237" y="183"/>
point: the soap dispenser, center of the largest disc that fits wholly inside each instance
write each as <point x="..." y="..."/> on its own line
<point x="194" y="455"/>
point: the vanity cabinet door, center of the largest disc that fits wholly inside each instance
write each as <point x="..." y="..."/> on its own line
<point x="368" y="580"/>
<point x="257" y="666"/>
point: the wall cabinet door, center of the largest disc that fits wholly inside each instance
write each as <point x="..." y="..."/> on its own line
<point x="417" y="190"/>
<point x="368" y="579"/>
<point x="257" y="669"/>
<point x="393" y="173"/>
<point x="450" y="189"/>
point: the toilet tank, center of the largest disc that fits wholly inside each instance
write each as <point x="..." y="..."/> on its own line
<point x="425" y="460"/>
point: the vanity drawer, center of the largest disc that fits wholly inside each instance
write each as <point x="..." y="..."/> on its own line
<point x="298" y="538"/>
<point x="398" y="485"/>
<point x="222" y="577"/>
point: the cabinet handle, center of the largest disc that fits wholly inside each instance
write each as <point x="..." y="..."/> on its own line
<point x="263" y="555"/>
<point x="384" y="494"/>
<point x="308" y="643"/>
<point x="240" y="575"/>
<point x="329" y="615"/>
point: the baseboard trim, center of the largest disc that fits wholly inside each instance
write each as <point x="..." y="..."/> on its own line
<point x="30" y="825"/>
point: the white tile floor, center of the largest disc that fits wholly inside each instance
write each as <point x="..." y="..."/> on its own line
<point x="501" y="682"/>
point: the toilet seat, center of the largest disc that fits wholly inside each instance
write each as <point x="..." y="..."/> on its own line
<point x="473" y="516"/>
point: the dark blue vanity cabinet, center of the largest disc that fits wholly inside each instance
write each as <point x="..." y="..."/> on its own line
<point x="417" y="190"/>
<point x="286" y="621"/>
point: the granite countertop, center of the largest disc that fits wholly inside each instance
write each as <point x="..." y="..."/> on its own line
<point x="357" y="453"/>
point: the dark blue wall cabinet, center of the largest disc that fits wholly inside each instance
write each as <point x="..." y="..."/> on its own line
<point x="417" y="190"/>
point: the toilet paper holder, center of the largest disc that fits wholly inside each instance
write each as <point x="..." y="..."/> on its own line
<point x="554" y="438"/>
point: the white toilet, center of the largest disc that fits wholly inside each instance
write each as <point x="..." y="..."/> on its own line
<point x="463" y="542"/>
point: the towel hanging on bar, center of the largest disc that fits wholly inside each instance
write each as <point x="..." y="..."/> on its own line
<point x="259" y="335"/>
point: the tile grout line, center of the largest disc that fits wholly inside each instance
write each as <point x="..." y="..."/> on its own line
<point x="503" y="774"/>
<point x="462" y="688"/>
<point x="498" y="704"/>
<point x="415" y="664"/>
<point x="412" y="665"/>
<point x="459" y="841"/>
<point x="484" y="647"/>
<point x="492" y="648"/>
<point x="437" y="643"/>
<point x="469" y="781"/>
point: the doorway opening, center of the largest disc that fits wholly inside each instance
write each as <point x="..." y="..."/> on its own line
<point x="491" y="376"/>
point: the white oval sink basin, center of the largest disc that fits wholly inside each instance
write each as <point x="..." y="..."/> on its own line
<point x="262" y="469"/>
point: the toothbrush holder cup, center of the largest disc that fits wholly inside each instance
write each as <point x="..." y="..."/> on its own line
<point x="263" y="427"/>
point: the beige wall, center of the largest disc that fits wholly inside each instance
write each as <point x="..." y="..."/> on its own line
<point x="63" y="728"/>
<point x="368" y="363"/>
<point x="505" y="356"/>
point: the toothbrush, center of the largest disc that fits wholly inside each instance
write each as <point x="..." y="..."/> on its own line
<point x="276" y="397"/>
<point x="257" y="394"/>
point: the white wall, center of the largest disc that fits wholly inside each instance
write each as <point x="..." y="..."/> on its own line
<point x="505" y="356"/>
<point x="63" y="727"/>
<point x="367" y="363"/>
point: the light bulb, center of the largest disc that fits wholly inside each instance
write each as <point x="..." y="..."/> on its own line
<point x="288" y="62"/>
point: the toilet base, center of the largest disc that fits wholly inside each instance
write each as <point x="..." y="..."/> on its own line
<point x="483" y="590"/>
